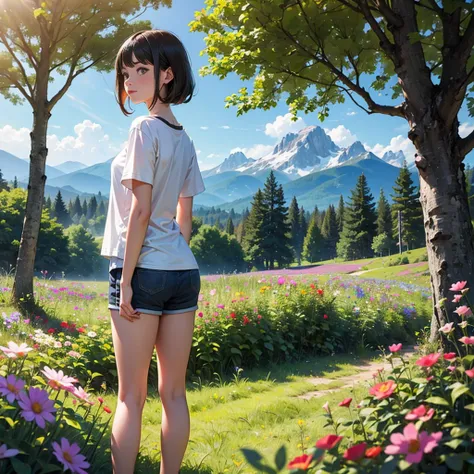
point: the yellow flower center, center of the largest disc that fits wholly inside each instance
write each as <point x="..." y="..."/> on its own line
<point x="413" y="446"/>
<point x="384" y="387"/>
<point x="37" y="408"/>
<point x="67" y="456"/>
<point x="12" y="388"/>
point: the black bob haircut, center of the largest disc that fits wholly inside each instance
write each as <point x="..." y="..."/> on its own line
<point x="162" y="49"/>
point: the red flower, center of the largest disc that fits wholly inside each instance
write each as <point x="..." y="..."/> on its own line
<point x="81" y="330"/>
<point x="246" y="320"/>
<point x="232" y="315"/>
<point x="325" y="316"/>
<point x="51" y="331"/>
<point x="301" y="462"/>
<point x="470" y="373"/>
<point x="312" y="285"/>
<point x="355" y="452"/>
<point x="328" y="442"/>
<point x="395" y="347"/>
<point x="420" y="413"/>
<point x="428" y="360"/>
<point x="346" y="402"/>
<point x="373" y="452"/>
<point x="64" y="324"/>
<point x="383" y="389"/>
<point x="100" y="400"/>
<point x="449" y="356"/>
<point x="107" y="409"/>
<point x="320" y="292"/>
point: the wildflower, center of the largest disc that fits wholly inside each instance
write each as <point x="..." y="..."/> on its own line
<point x="7" y="453"/>
<point x="74" y="354"/>
<point x="37" y="406"/>
<point x="281" y="281"/>
<point x="246" y="320"/>
<point x="467" y="340"/>
<point x="457" y="298"/>
<point x="320" y="292"/>
<point x="301" y="462"/>
<point x="449" y="356"/>
<point x="58" y="380"/>
<point x="14" y="350"/>
<point x="326" y="408"/>
<point x="81" y="394"/>
<point x="11" y="387"/>
<point x="420" y="413"/>
<point x="463" y="324"/>
<point x="355" y="452"/>
<point x="447" y="328"/>
<point x="68" y="455"/>
<point x="463" y="311"/>
<point x="51" y="331"/>
<point x="92" y="334"/>
<point x="428" y="360"/>
<point x="412" y="443"/>
<point x="107" y="409"/>
<point x="470" y="373"/>
<point x="458" y="286"/>
<point x="213" y="292"/>
<point x="346" y="402"/>
<point x="383" y="389"/>
<point x="65" y="325"/>
<point x="325" y="316"/>
<point x="328" y="442"/>
<point x="395" y="348"/>
<point x="373" y="452"/>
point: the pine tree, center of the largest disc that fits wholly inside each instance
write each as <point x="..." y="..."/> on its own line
<point x="84" y="208"/>
<point x="405" y="199"/>
<point x="320" y="219"/>
<point x="359" y="223"/>
<point x="294" y="220"/>
<point x="276" y="229"/>
<point x="303" y="223"/>
<point x="330" y="233"/>
<point x="101" y="209"/>
<point x="49" y="204"/>
<point x="3" y="183"/>
<point x="313" y="243"/>
<point x="253" y="239"/>
<point x="15" y="183"/>
<point x="77" y="208"/>
<point x="217" y="224"/>
<point x="340" y="214"/>
<point x="384" y="219"/>
<point x="92" y="207"/>
<point x="60" y="211"/>
<point x="229" y="226"/>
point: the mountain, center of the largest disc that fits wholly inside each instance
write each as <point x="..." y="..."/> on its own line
<point x="12" y="166"/>
<point x="231" y="163"/>
<point x="85" y="182"/>
<point x="395" y="159"/>
<point x="346" y="154"/>
<point x="70" y="166"/>
<point x="66" y="192"/>
<point x="297" y="154"/>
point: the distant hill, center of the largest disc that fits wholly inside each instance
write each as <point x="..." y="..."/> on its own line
<point x="83" y="181"/>
<point x="52" y="191"/>
<point x="70" y="166"/>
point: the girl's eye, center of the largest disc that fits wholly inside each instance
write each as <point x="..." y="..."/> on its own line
<point x="125" y="75"/>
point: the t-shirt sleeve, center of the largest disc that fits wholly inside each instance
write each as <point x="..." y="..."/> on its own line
<point x="141" y="158"/>
<point x="193" y="183"/>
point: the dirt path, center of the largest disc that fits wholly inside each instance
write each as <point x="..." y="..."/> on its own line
<point x="364" y="373"/>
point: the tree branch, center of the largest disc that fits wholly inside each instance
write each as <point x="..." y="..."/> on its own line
<point x="19" y="87"/>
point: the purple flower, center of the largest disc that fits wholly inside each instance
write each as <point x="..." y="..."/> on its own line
<point x="11" y="387"/>
<point x="37" y="406"/>
<point x="68" y="455"/>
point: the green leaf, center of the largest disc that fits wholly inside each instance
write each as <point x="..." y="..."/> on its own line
<point x="38" y="12"/>
<point x="454" y="462"/>
<point x="234" y="350"/>
<point x="254" y="459"/>
<point x="20" y="467"/>
<point x="470" y="407"/>
<point x="280" y="458"/>
<point x="437" y="401"/>
<point x="72" y="423"/>
<point x="458" y="391"/>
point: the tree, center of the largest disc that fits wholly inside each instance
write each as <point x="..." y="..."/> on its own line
<point x="359" y="223"/>
<point x="313" y="243"/>
<point x="77" y="208"/>
<point x="295" y="229"/>
<point x="405" y="199"/>
<point x="101" y="209"/>
<point x="317" y="53"/>
<point x="340" y="214"/>
<point x="253" y="239"/>
<point x="229" y="226"/>
<point x="92" y="207"/>
<point x="83" y="251"/>
<point x="303" y="229"/>
<point x="60" y="212"/>
<point x="330" y="233"/>
<point x="380" y="243"/>
<point x="3" y="183"/>
<point x="15" y="182"/>
<point x="384" y="220"/>
<point x="41" y="40"/>
<point x="275" y="229"/>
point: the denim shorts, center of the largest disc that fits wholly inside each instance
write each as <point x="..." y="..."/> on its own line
<point x="158" y="291"/>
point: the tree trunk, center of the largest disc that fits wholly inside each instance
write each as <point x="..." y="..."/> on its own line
<point x="22" y="293"/>
<point x="446" y="216"/>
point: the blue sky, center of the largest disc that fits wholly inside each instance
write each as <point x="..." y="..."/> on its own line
<point x="88" y="126"/>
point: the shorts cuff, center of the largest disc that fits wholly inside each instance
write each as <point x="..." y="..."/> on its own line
<point x="113" y="307"/>
<point x="177" y="311"/>
<point x="149" y="311"/>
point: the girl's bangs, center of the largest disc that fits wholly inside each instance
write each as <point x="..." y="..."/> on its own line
<point x="138" y="46"/>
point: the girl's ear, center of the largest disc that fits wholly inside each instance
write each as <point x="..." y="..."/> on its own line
<point x="169" y="76"/>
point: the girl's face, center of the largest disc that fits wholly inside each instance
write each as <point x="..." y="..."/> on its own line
<point x="139" y="81"/>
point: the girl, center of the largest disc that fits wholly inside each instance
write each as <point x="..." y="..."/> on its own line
<point x="154" y="277"/>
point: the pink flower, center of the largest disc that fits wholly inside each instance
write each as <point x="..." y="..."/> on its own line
<point x="328" y="442"/>
<point x="11" y="387"/>
<point x="213" y="292"/>
<point x="447" y="328"/>
<point x="470" y="373"/>
<point x="467" y="340"/>
<point x="7" y="453"/>
<point x="326" y="408"/>
<point x="463" y="311"/>
<point x="281" y="281"/>
<point x="420" y="413"/>
<point x="395" y="347"/>
<point x="383" y="389"/>
<point x="355" y="452"/>
<point x="74" y="354"/>
<point x="58" y="380"/>
<point x="457" y="298"/>
<point x="462" y="324"/>
<point x="428" y="360"/>
<point x="346" y="402"/>
<point x="449" y="356"/>
<point x="458" y="286"/>
<point x="37" y="406"/>
<point x="68" y="455"/>
<point x="412" y="443"/>
<point x="14" y="350"/>
<point x="81" y="394"/>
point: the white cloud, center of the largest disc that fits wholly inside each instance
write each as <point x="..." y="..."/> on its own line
<point x="89" y="144"/>
<point x="226" y="127"/>
<point x="396" y="144"/>
<point x="351" y="113"/>
<point x="465" y="129"/>
<point x="284" y="125"/>
<point x="255" y="152"/>
<point x="204" y="128"/>
<point x="341" y="136"/>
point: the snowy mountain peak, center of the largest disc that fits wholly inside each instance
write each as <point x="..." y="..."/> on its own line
<point x="394" y="159"/>
<point x="231" y="163"/>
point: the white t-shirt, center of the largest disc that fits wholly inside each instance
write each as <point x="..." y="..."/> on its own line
<point x="163" y="155"/>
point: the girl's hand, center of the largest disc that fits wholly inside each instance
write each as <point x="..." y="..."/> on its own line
<point x="126" y="310"/>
